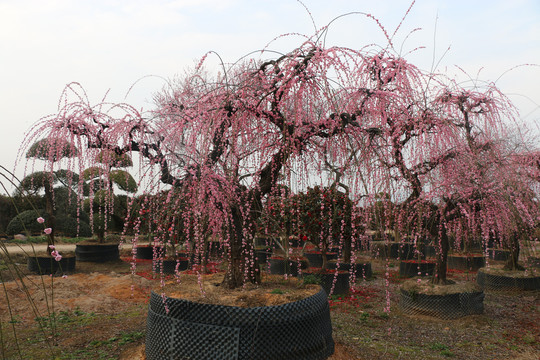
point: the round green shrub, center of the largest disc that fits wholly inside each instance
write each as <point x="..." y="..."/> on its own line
<point x="67" y="226"/>
<point x="26" y="222"/>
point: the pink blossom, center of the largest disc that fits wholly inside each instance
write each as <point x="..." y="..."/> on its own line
<point x="52" y="247"/>
<point x="47" y="231"/>
<point x="40" y="220"/>
<point x="56" y="255"/>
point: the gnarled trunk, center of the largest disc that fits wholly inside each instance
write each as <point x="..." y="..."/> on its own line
<point x="439" y="275"/>
<point x="242" y="268"/>
<point x="512" y="263"/>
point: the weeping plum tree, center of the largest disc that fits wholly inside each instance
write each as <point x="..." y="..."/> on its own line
<point x="228" y="141"/>
<point x="440" y="146"/>
<point x="487" y="188"/>
<point x="225" y="140"/>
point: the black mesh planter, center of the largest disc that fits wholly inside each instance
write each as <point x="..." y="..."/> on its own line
<point x="411" y="268"/>
<point x="181" y="329"/>
<point x="332" y="283"/>
<point x="46" y="264"/>
<point x="146" y="252"/>
<point x="361" y="270"/>
<point x="263" y="254"/>
<point x="470" y="262"/>
<point x="498" y="254"/>
<point x="281" y="266"/>
<point x="169" y="266"/>
<point x="449" y="306"/>
<point x="430" y="251"/>
<point x="316" y="260"/>
<point x="392" y="250"/>
<point x="97" y="252"/>
<point x="501" y="281"/>
<point x="534" y="261"/>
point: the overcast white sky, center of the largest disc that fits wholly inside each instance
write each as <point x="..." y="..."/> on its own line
<point x="110" y="44"/>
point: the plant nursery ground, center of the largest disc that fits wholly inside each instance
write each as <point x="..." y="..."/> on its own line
<point x="100" y="313"/>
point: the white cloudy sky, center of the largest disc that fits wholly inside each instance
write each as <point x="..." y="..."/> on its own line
<point x="110" y="44"/>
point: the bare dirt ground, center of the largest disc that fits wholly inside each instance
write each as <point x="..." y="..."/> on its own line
<point x="100" y="313"/>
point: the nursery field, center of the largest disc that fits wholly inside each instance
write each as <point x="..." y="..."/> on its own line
<point x="100" y="313"/>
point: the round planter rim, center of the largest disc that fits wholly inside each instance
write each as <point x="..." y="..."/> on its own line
<point x="306" y="299"/>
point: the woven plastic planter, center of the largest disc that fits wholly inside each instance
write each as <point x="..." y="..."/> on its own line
<point x="498" y="254"/>
<point x="501" y="281"/>
<point x="534" y="261"/>
<point x="169" y="266"/>
<point x="361" y="270"/>
<point x="332" y="283"/>
<point x="181" y="329"/>
<point x="470" y="262"/>
<point x="316" y="260"/>
<point x="147" y="252"/>
<point x="263" y="254"/>
<point x="97" y="252"/>
<point x="46" y="264"/>
<point x="392" y="250"/>
<point x="281" y="266"/>
<point x="450" y="306"/>
<point x="411" y="268"/>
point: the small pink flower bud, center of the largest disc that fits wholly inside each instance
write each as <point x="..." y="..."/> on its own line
<point x="52" y="247"/>
<point x="40" y="220"/>
<point x="47" y="231"/>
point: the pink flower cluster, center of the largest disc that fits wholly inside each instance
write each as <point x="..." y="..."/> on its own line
<point x="54" y="253"/>
<point x="41" y="220"/>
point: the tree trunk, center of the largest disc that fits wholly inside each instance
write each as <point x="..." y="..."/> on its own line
<point x="512" y="263"/>
<point x="243" y="267"/>
<point x="347" y="249"/>
<point x="439" y="275"/>
<point x="324" y="250"/>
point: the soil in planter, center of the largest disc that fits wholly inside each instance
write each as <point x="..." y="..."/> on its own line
<point x="411" y="268"/>
<point x="274" y="290"/>
<point x="495" y="278"/>
<point x="470" y="262"/>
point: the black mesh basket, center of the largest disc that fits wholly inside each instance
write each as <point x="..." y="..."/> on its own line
<point x="181" y="329"/>
<point x="450" y="306"/>
<point x="500" y="282"/>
